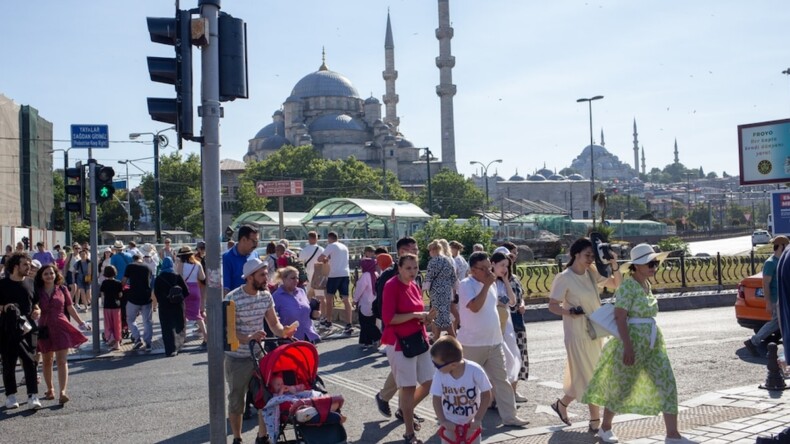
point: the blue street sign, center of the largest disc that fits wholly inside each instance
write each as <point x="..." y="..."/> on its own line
<point x="119" y="184"/>
<point x="90" y="136"/>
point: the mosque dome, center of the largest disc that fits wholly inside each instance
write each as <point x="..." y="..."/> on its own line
<point x="324" y="83"/>
<point x="274" y="142"/>
<point x="557" y="177"/>
<point x="404" y="143"/>
<point x="372" y="100"/>
<point x="329" y="122"/>
<point x="536" y="178"/>
<point x="516" y="177"/>
<point x="576" y="176"/>
<point x="270" y="130"/>
<point x="545" y="172"/>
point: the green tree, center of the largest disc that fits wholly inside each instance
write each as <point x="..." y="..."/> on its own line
<point x="59" y="201"/>
<point x="247" y="198"/>
<point x="470" y="233"/>
<point x="699" y="215"/>
<point x="80" y="231"/>
<point x="180" y="190"/>
<point x="676" y="172"/>
<point x="674" y="243"/>
<point x="452" y="195"/>
<point x="112" y="216"/>
<point x="631" y="206"/>
<point x="712" y="175"/>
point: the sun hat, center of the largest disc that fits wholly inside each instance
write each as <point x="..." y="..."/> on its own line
<point x="184" y="250"/>
<point x="35" y="263"/>
<point x="780" y="240"/>
<point x="643" y="254"/>
<point x="502" y="250"/>
<point x="107" y="250"/>
<point x="118" y="245"/>
<point x="251" y="266"/>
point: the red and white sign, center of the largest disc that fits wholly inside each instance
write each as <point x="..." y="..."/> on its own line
<point x="275" y="188"/>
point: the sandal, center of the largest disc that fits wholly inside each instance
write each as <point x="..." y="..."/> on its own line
<point x="591" y="429"/>
<point x="411" y="439"/>
<point x="49" y="395"/>
<point x="556" y="408"/>
<point x="416" y="420"/>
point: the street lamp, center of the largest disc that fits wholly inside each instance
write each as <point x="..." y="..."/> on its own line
<point x="66" y="213"/>
<point x="158" y="139"/>
<point x="592" y="158"/>
<point x="428" y="157"/>
<point x="485" y="176"/>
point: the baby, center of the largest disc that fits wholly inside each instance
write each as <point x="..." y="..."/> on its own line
<point x="278" y="386"/>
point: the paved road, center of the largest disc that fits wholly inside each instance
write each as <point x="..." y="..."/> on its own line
<point x="727" y="247"/>
<point x="143" y="398"/>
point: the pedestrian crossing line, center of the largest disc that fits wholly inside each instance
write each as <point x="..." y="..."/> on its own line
<point x="371" y="393"/>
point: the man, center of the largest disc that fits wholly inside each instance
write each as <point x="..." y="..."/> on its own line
<point x="253" y="304"/>
<point x="770" y="295"/>
<point x="406" y="245"/>
<point x="14" y="294"/>
<point x="119" y="259"/>
<point x="31" y="273"/>
<point x="481" y="335"/>
<point x="43" y="256"/>
<point x="133" y="250"/>
<point x="478" y="247"/>
<point x="234" y="259"/>
<point x="138" y="301"/>
<point x="168" y="251"/>
<point x="336" y="254"/>
<point x="309" y="257"/>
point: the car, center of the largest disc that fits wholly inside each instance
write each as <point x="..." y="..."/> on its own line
<point x="750" y="304"/>
<point x="760" y="237"/>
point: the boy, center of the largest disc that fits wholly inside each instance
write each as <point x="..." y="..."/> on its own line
<point x="461" y="393"/>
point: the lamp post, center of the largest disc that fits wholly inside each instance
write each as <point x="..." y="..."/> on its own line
<point x="592" y="158"/>
<point x="428" y="155"/>
<point x="157" y="139"/>
<point x="128" y="196"/>
<point x="66" y="213"/>
<point x="485" y="176"/>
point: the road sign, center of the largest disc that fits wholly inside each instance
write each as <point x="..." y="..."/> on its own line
<point x="119" y="184"/>
<point x="274" y="188"/>
<point x="90" y="136"/>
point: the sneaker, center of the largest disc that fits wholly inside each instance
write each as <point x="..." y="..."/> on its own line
<point x="348" y="330"/>
<point x="751" y="347"/>
<point x="520" y="398"/>
<point x="138" y="344"/>
<point x="10" y="402"/>
<point x="35" y="404"/>
<point x="606" y="436"/>
<point x="236" y="440"/>
<point x="383" y="406"/>
<point x="517" y="422"/>
<point x="148" y="347"/>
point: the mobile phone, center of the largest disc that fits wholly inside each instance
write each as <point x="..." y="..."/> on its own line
<point x="289" y="377"/>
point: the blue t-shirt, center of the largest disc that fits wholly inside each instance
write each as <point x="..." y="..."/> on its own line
<point x="769" y="269"/>
<point x="232" y="268"/>
<point x="120" y="261"/>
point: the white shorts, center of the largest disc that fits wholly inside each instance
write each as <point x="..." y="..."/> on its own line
<point x="410" y="372"/>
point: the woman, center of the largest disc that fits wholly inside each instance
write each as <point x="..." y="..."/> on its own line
<point x="291" y="304"/>
<point x="190" y="269"/>
<point x="61" y="335"/>
<point x="103" y="263"/>
<point x="517" y="317"/>
<point x="82" y="279"/>
<point x="60" y="262"/>
<point x="574" y="293"/>
<point x="440" y="283"/>
<point x="271" y="261"/>
<point x="112" y="292"/>
<point x="506" y="296"/>
<point x="404" y="316"/>
<point x="364" y="295"/>
<point x="634" y="374"/>
<point x="71" y="262"/>
<point x="171" y="312"/>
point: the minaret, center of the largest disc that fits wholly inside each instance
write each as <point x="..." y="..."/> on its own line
<point x="390" y="98"/>
<point x="677" y="160"/>
<point x="636" y="149"/>
<point x="603" y="143"/>
<point x="644" y="167"/>
<point x="446" y="90"/>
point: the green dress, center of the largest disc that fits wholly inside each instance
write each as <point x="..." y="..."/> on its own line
<point x="647" y="387"/>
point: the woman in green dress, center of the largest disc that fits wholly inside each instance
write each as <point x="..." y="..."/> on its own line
<point x="633" y="374"/>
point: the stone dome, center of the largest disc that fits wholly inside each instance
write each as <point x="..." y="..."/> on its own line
<point x="557" y="177"/>
<point x="324" y="83"/>
<point x="274" y="142"/>
<point x="545" y="172"/>
<point x="516" y="177"/>
<point x="270" y="130"/>
<point x="536" y="178"/>
<point x="404" y="143"/>
<point x="329" y="122"/>
<point x="372" y="100"/>
<point x="576" y="177"/>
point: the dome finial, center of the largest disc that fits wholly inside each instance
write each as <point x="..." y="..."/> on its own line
<point x="323" y="60"/>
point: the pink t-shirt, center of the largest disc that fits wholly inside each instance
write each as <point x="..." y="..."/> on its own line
<point x="399" y="298"/>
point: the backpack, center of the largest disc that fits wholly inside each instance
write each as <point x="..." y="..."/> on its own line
<point x="176" y="294"/>
<point x="293" y="261"/>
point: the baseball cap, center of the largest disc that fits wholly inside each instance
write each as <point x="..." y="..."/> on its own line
<point x="251" y="266"/>
<point x="200" y="245"/>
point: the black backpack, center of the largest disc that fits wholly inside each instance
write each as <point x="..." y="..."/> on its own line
<point x="176" y="294"/>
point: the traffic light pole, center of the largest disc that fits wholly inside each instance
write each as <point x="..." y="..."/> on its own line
<point x="66" y="212"/>
<point x="209" y="10"/>
<point x="157" y="198"/>
<point x="94" y="241"/>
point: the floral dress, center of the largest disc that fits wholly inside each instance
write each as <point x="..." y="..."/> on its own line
<point x="441" y="275"/>
<point x="520" y="327"/>
<point x="647" y="387"/>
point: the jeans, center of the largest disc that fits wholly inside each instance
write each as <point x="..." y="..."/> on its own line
<point x="132" y="310"/>
<point x="769" y="327"/>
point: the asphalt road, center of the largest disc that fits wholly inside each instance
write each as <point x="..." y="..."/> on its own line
<point x="152" y="399"/>
<point x="727" y="247"/>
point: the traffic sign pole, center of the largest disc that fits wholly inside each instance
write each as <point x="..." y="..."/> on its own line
<point x="94" y="241"/>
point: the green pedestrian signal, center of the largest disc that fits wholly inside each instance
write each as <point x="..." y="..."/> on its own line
<point x="104" y="189"/>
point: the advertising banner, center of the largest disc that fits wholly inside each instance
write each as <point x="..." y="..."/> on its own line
<point x="780" y="211"/>
<point x="764" y="152"/>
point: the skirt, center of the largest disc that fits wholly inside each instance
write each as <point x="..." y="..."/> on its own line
<point x="192" y="302"/>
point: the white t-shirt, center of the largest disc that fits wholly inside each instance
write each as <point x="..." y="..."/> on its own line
<point x="338" y="259"/>
<point x="305" y="254"/>
<point x="461" y="397"/>
<point x="481" y="328"/>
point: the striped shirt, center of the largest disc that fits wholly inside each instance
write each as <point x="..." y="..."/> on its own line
<point x="250" y="315"/>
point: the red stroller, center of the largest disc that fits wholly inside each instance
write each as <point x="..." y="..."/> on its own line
<point x="314" y="419"/>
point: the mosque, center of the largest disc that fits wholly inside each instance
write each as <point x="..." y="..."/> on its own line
<point x="325" y="110"/>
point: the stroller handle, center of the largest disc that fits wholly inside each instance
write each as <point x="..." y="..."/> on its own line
<point x="275" y="340"/>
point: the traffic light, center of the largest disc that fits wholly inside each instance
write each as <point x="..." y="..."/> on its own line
<point x="232" y="58"/>
<point x="104" y="187"/>
<point x="77" y="189"/>
<point x="174" y="71"/>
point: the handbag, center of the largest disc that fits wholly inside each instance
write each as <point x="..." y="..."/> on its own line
<point x="43" y="332"/>
<point x="320" y="276"/>
<point x="602" y="314"/>
<point x="414" y="344"/>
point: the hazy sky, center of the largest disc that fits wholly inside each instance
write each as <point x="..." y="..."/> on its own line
<point x="691" y="70"/>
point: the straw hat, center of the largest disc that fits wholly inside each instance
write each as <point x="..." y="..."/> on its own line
<point x="185" y="250"/>
<point x="643" y="254"/>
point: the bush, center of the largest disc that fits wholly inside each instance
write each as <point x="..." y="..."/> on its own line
<point x="674" y="243"/>
<point x="470" y="233"/>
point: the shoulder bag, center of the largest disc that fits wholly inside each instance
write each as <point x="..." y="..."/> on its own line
<point x="601" y="320"/>
<point x="414" y="344"/>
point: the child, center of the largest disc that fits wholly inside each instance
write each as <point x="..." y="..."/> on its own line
<point x="112" y="292"/>
<point x="461" y="393"/>
<point x="364" y="294"/>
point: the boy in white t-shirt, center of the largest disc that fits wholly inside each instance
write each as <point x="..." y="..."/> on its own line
<point x="461" y="393"/>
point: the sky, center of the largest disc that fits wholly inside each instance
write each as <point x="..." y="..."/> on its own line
<point x="685" y="70"/>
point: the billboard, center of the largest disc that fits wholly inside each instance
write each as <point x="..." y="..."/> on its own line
<point x="780" y="212"/>
<point x="764" y="152"/>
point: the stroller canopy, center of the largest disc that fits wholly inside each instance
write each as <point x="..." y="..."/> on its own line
<point x="301" y="357"/>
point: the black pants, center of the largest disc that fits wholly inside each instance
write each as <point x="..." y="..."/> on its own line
<point x="171" y="318"/>
<point x="25" y="353"/>
<point x="368" y="331"/>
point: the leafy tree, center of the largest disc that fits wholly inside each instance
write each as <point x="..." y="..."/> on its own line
<point x="470" y="233"/>
<point x="630" y="206"/>
<point x="674" y="243"/>
<point x="712" y="175"/>
<point x="180" y="190"/>
<point x="701" y="174"/>
<point x="112" y="216"/>
<point x="724" y="175"/>
<point x="247" y="198"/>
<point x="452" y="195"/>
<point x="80" y="231"/>
<point x="699" y="215"/>
<point x="676" y="172"/>
<point x="59" y="196"/>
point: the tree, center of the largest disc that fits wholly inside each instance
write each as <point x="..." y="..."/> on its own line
<point x="724" y="175"/>
<point x="470" y="233"/>
<point x="600" y="201"/>
<point x="112" y="216"/>
<point x="631" y="206"/>
<point x="676" y="172"/>
<point x="80" y="231"/>
<point x="180" y="188"/>
<point x="59" y="196"/>
<point x="712" y="175"/>
<point x="452" y="195"/>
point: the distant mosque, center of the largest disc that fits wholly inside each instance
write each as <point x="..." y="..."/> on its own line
<point x="325" y="110"/>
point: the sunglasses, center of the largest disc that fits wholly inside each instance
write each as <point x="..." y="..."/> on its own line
<point x="776" y="247"/>
<point x="652" y="264"/>
<point x="441" y="366"/>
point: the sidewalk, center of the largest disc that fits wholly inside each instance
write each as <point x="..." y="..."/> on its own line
<point x="737" y="416"/>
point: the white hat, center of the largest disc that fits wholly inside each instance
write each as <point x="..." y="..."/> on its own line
<point x="35" y="263"/>
<point x="118" y="245"/>
<point x="251" y="266"/>
<point x="643" y="254"/>
<point x="502" y="250"/>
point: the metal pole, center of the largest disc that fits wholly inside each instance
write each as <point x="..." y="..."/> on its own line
<point x="428" y="163"/>
<point x="209" y="11"/>
<point x="66" y="212"/>
<point x="488" y="204"/>
<point x="128" y="196"/>
<point x="157" y="199"/>
<point x="94" y="240"/>
<point x="281" y="210"/>
<point x="592" y="170"/>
